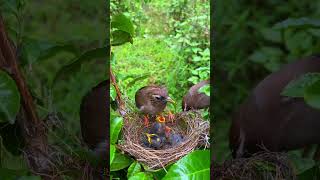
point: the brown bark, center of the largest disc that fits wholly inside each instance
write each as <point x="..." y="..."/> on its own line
<point x="121" y="104"/>
<point x="34" y="131"/>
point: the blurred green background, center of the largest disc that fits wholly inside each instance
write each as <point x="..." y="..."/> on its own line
<point x="249" y="45"/>
<point x="36" y="26"/>
<point x="170" y="47"/>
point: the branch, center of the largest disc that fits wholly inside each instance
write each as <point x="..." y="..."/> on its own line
<point x="121" y="104"/>
<point x="33" y="129"/>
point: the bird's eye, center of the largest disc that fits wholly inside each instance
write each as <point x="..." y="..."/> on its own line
<point x="158" y="97"/>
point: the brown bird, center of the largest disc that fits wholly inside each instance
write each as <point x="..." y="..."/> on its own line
<point x="93" y="116"/>
<point x="194" y="99"/>
<point x="275" y="122"/>
<point x="152" y="100"/>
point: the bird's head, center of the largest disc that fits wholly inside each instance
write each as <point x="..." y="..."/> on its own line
<point x="160" y="96"/>
<point x="160" y="119"/>
<point x="152" y="136"/>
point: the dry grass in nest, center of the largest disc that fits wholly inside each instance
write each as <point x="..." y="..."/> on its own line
<point x="194" y="129"/>
<point x="264" y="165"/>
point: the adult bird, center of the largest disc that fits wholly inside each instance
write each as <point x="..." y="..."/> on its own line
<point x="93" y="118"/>
<point x="195" y="99"/>
<point x="152" y="100"/>
<point x="269" y="120"/>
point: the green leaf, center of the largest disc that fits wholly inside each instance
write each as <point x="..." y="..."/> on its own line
<point x="297" y="86"/>
<point x="300" y="164"/>
<point x="312" y="173"/>
<point x="269" y="57"/>
<point x="12" y="138"/>
<point x="35" y="50"/>
<point x="312" y="95"/>
<point x="123" y="23"/>
<point x="113" y="93"/>
<point x="271" y="35"/>
<point x="75" y="65"/>
<point x="133" y="169"/>
<point x="205" y="89"/>
<point x="195" y="165"/>
<point x="141" y="176"/>
<point x="9" y="174"/>
<point x="9" y="98"/>
<point x="115" y="128"/>
<point x="120" y="161"/>
<point x="120" y="37"/>
<point x="297" y="23"/>
<point x="112" y="152"/>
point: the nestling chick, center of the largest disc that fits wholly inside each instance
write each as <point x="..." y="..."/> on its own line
<point x="194" y="99"/>
<point x="160" y="128"/>
<point x="175" y="139"/>
<point x="152" y="100"/>
<point x="153" y="141"/>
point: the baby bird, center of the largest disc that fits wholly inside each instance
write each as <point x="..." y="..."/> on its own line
<point x="152" y="100"/>
<point x="160" y="128"/>
<point x="153" y="141"/>
<point x="194" y="99"/>
<point x="175" y="139"/>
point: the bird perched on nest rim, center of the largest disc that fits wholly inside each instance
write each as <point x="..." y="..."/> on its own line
<point x="195" y="99"/>
<point x="152" y="100"/>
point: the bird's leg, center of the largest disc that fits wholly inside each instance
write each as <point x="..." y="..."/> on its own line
<point x="170" y="116"/>
<point x="146" y="120"/>
<point x="167" y="131"/>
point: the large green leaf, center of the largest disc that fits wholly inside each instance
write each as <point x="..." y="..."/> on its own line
<point x="115" y="128"/>
<point x="120" y="37"/>
<point x="195" y="165"/>
<point x="12" y="138"/>
<point x="312" y="95"/>
<point x="298" y="23"/>
<point x="141" y="176"/>
<point x="9" y="174"/>
<point x="133" y="169"/>
<point x="9" y="98"/>
<point x="297" y="86"/>
<point x="35" y="50"/>
<point x="75" y="65"/>
<point x="112" y="152"/>
<point x="123" y="23"/>
<point x="205" y="89"/>
<point x="120" y="161"/>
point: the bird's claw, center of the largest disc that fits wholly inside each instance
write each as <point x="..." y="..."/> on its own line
<point x="170" y="117"/>
<point x="146" y="121"/>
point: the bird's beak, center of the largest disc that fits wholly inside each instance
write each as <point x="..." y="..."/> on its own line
<point x="170" y="100"/>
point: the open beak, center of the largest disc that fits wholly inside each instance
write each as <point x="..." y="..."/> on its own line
<point x="170" y="100"/>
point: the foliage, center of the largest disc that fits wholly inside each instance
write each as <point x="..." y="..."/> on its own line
<point x="253" y="39"/>
<point x="9" y="98"/>
<point x="48" y="45"/>
<point x="193" y="166"/>
<point x="166" y="48"/>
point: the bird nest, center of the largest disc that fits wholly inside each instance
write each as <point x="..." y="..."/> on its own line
<point x="190" y="125"/>
<point x="263" y="165"/>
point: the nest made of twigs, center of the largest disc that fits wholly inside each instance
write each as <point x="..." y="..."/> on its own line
<point x="263" y="165"/>
<point x="190" y="125"/>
